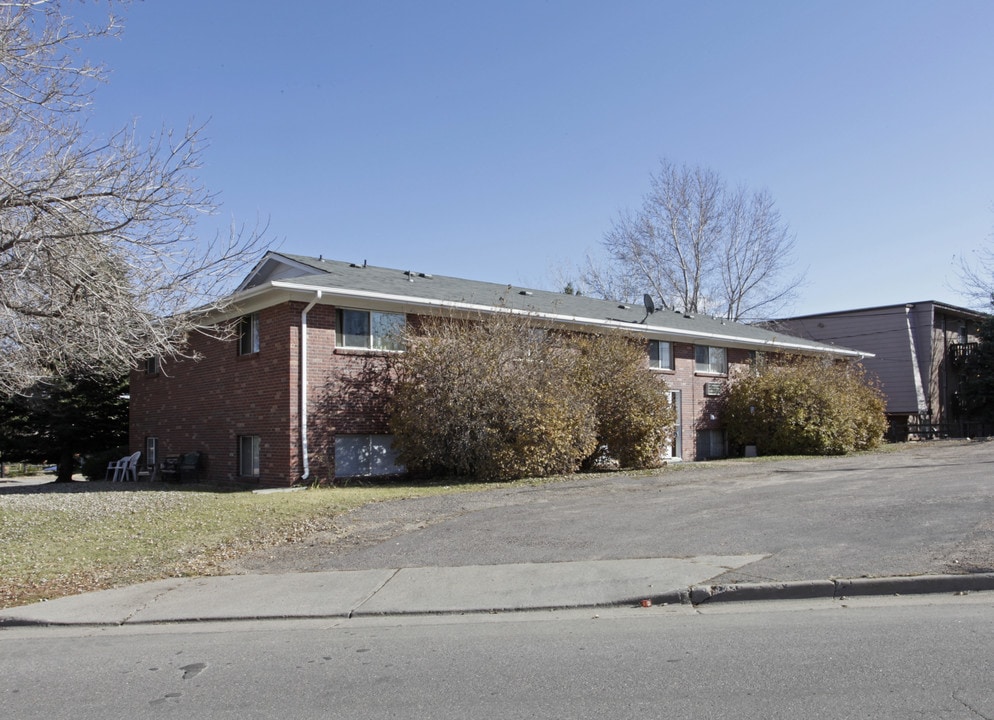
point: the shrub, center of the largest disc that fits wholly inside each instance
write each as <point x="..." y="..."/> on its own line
<point x="498" y="398"/>
<point x="631" y="404"/>
<point x="804" y="406"/>
<point x="484" y="399"/>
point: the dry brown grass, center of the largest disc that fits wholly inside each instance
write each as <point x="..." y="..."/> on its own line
<point x="63" y="539"/>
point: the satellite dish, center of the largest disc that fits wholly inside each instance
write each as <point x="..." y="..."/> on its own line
<point x="650" y="306"/>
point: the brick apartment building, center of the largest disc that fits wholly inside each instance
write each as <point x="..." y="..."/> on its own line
<point x="292" y="396"/>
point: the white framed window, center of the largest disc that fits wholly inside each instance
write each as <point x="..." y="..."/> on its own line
<point x="248" y="455"/>
<point x="151" y="452"/>
<point x="661" y="354"/>
<point x="359" y="455"/>
<point x="710" y="359"/>
<point x="370" y="330"/>
<point x="152" y="366"/>
<point x="248" y="334"/>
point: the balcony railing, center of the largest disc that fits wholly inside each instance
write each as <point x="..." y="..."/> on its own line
<point x="922" y="430"/>
<point x="958" y="352"/>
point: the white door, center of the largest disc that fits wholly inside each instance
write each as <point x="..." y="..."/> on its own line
<point x="675" y="450"/>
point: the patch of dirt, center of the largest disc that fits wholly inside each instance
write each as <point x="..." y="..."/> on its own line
<point x="975" y="553"/>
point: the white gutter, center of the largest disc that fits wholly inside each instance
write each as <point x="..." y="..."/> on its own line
<point x="555" y="317"/>
<point x="303" y="385"/>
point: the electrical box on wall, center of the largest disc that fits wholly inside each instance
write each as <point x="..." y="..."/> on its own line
<point x="713" y="389"/>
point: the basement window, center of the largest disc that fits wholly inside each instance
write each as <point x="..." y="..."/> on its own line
<point x="151" y="452"/>
<point x="248" y="455"/>
<point x="363" y="455"/>
<point x="711" y="444"/>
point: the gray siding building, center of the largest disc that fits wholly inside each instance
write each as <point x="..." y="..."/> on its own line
<point x="917" y="351"/>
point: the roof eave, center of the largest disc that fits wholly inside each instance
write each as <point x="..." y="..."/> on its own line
<point x="249" y="300"/>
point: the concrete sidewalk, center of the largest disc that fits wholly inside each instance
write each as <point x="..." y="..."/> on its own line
<point x="452" y="590"/>
<point x="480" y="588"/>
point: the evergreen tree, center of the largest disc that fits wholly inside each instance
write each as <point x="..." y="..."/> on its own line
<point x="977" y="387"/>
<point x="57" y="419"/>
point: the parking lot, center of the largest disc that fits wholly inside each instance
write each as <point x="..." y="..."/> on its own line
<point x="910" y="509"/>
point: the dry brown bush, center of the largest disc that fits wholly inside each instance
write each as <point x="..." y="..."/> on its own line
<point x="497" y="397"/>
<point x="805" y="406"/>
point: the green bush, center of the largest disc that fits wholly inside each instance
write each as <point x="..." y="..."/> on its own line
<point x="804" y="406"/>
<point x="496" y="398"/>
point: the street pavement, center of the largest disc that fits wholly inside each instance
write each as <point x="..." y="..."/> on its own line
<point x="516" y="586"/>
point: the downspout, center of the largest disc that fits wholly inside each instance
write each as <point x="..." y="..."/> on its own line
<point x="916" y="370"/>
<point x="303" y="386"/>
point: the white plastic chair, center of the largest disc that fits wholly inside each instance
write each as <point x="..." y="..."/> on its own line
<point x="125" y="467"/>
<point x="114" y="466"/>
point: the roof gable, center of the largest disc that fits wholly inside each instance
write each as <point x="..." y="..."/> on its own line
<point x="280" y="266"/>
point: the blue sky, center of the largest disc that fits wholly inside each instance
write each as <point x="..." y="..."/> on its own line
<point x="498" y="141"/>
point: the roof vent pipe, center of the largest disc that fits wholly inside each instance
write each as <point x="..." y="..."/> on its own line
<point x="303" y="387"/>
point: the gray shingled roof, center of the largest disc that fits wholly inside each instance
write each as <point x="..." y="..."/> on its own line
<point x="944" y="307"/>
<point x="419" y="285"/>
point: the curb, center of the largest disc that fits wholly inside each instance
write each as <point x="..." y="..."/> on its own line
<point x="695" y="595"/>
<point x="838" y="588"/>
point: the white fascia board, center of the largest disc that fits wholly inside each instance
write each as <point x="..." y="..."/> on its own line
<point x="330" y="294"/>
<point x="276" y="257"/>
<point x="252" y="300"/>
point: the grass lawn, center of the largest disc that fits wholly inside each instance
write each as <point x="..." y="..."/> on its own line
<point x="63" y="539"/>
<point x="66" y="538"/>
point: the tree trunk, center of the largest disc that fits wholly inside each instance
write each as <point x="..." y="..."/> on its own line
<point x="66" y="465"/>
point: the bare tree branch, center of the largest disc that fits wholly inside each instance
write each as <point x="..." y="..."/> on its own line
<point x="976" y="274"/>
<point x="699" y="247"/>
<point x="100" y="266"/>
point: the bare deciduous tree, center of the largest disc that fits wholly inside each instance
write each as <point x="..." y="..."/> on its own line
<point x="699" y="246"/>
<point x="976" y="274"/>
<point x="99" y="265"/>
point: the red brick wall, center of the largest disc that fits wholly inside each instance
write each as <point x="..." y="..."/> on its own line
<point x="696" y="407"/>
<point x="206" y="404"/>
<point x="346" y="391"/>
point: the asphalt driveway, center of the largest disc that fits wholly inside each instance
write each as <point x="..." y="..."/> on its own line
<point x="919" y="508"/>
